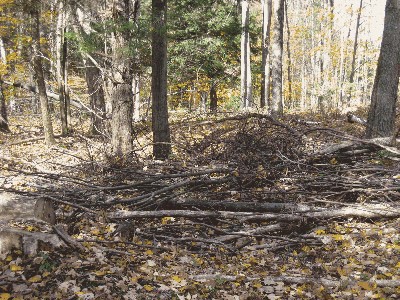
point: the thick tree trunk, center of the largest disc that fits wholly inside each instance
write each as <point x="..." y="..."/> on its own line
<point x="276" y="57"/>
<point x="94" y="81"/>
<point x="265" y="60"/>
<point x="122" y="105"/>
<point x="160" y="125"/>
<point x="382" y="113"/>
<point x="213" y="97"/>
<point x="38" y="68"/>
<point x="246" y="85"/>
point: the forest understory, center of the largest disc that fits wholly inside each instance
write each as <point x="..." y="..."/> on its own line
<point x="247" y="207"/>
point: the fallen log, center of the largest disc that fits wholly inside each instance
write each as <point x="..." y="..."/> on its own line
<point x="369" y="211"/>
<point x="236" y="206"/>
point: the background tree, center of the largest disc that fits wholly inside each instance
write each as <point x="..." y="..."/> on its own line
<point x="34" y="8"/>
<point x="265" y="60"/>
<point x="122" y="76"/>
<point x="160" y="125"/>
<point x="382" y="112"/>
<point x="276" y="57"/>
<point x="245" y="67"/>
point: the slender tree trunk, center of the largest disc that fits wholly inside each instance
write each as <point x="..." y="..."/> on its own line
<point x="289" y="56"/>
<point x="3" y="107"/>
<point x="61" y="49"/>
<point x="382" y="112"/>
<point x="265" y="60"/>
<point x="38" y="68"/>
<point x="354" y="57"/>
<point x="276" y="57"/>
<point x="246" y="85"/>
<point x="160" y="125"/>
<point x="94" y="81"/>
<point x="122" y="70"/>
<point x="213" y="97"/>
<point x="136" y="97"/>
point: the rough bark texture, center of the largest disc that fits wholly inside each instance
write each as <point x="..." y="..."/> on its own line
<point x="382" y="113"/>
<point x="160" y="125"/>
<point x="3" y="112"/>
<point x="61" y="58"/>
<point x="38" y="68"/>
<point x="122" y="105"/>
<point x="265" y="60"/>
<point x="94" y="82"/>
<point x="245" y="57"/>
<point x="3" y="107"/>
<point x="276" y="57"/>
<point x="213" y="98"/>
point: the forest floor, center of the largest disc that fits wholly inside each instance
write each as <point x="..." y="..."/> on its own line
<point x="247" y="207"/>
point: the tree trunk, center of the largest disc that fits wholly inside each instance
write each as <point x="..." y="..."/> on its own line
<point x="136" y="97"/>
<point x="94" y="81"/>
<point x="121" y="102"/>
<point x="289" y="57"/>
<point x="382" y="112"/>
<point x="265" y="60"/>
<point x="3" y="112"/>
<point x="276" y="57"/>
<point x="245" y="75"/>
<point x="3" y="107"/>
<point x="160" y="125"/>
<point x="353" y="60"/>
<point x="38" y="68"/>
<point x="61" y="57"/>
<point x="213" y="97"/>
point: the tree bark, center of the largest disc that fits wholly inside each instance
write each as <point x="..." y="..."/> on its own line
<point x="213" y="97"/>
<point x="61" y="57"/>
<point x="265" y="60"/>
<point x="382" y="112"/>
<point x="276" y="57"/>
<point x="246" y="85"/>
<point x="122" y="70"/>
<point x="38" y="68"/>
<point x="94" y="81"/>
<point x="160" y="125"/>
<point x="353" y="60"/>
<point x="3" y="107"/>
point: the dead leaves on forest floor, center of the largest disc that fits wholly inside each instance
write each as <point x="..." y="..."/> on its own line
<point x="249" y="159"/>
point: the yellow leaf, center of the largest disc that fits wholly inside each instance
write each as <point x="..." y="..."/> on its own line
<point x="333" y="161"/>
<point x="16" y="268"/>
<point x="337" y="237"/>
<point x="320" y="232"/>
<point x="236" y="283"/>
<point x="367" y="285"/>
<point x="36" y="278"/>
<point x="149" y="252"/>
<point x="398" y="265"/>
<point x="45" y="274"/>
<point x="167" y="220"/>
<point x="9" y="258"/>
<point x="148" y="288"/>
<point x="176" y="278"/>
<point x="5" y="296"/>
<point x="100" y="273"/>
<point x="257" y="285"/>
